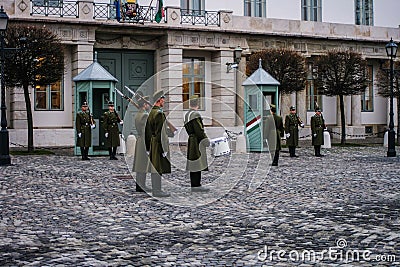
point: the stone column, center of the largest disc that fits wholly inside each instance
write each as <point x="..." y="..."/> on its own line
<point x="169" y="79"/>
<point x="17" y="118"/>
<point x="301" y="105"/>
<point x="86" y="10"/>
<point x="240" y="78"/>
<point x="356" y="110"/>
<point x="173" y="15"/>
<point x="223" y="90"/>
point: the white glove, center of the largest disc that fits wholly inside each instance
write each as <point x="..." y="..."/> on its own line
<point x="287" y="135"/>
<point x="164" y="154"/>
<point x="93" y="126"/>
<point x="326" y="129"/>
<point x="79" y="135"/>
<point x="302" y="125"/>
<point x="148" y="153"/>
<point x="315" y="135"/>
<point x="121" y="122"/>
<point x="106" y="135"/>
<point x="176" y="131"/>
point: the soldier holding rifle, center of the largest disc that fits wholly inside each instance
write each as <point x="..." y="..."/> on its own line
<point x="110" y="125"/>
<point x="292" y="122"/>
<point x="84" y="124"/>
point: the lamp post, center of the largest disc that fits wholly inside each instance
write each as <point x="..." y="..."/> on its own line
<point x="4" y="138"/>
<point x="391" y="50"/>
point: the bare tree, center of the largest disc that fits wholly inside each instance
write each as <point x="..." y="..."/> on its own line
<point x="341" y="73"/>
<point x="285" y="65"/>
<point x="383" y="84"/>
<point x="39" y="63"/>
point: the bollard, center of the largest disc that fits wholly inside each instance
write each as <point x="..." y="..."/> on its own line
<point x="130" y="145"/>
<point x="327" y="140"/>
<point x="386" y="139"/>
<point x="241" y="144"/>
<point x="121" y="149"/>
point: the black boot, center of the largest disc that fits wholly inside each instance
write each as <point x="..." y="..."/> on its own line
<point x="276" y="158"/>
<point x="316" y="151"/>
<point x="319" y="151"/>
<point x="83" y="153"/>
<point x="156" y="185"/>
<point x="110" y="152"/>
<point x="86" y="153"/>
<point x="195" y="182"/>
<point x="114" y="152"/>
<point x="141" y="183"/>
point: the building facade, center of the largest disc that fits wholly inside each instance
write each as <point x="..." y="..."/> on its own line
<point x="185" y="54"/>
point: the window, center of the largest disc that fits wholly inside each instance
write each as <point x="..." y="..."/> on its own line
<point x="193" y="80"/>
<point x="255" y="8"/>
<point x="253" y="102"/>
<point x="364" y="12"/>
<point x="311" y="10"/>
<point x="49" y="97"/>
<point x="367" y="98"/>
<point x="314" y="98"/>
<point x="193" y="6"/>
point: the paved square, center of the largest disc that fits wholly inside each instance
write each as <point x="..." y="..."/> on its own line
<point x="340" y="210"/>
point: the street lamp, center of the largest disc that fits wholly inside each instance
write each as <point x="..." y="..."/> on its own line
<point x="4" y="138"/>
<point x="391" y="50"/>
<point x="237" y="56"/>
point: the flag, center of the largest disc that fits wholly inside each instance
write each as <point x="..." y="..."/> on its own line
<point x="160" y="11"/>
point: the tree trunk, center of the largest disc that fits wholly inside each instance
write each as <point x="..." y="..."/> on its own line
<point x="343" y="120"/>
<point x="398" y="120"/>
<point x="29" y="117"/>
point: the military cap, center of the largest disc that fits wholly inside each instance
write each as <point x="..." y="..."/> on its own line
<point x="194" y="100"/>
<point x="110" y="103"/>
<point x="273" y="107"/>
<point x="157" y="95"/>
<point x="292" y="108"/>
<point x="84" y="104"/>
<point x="317" y="109"/>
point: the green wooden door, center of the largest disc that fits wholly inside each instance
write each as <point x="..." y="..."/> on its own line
<point x="132" y="68"/>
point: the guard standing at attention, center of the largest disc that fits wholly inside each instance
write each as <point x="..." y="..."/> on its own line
<point x="317" y="130"/>
<point x="84" y="124"/>
<point x="292" y="122"/>
<point x="197" y="143"/>
<point x="141" y="159"/>
<point x="158" y="145"/>
<point x="110" y="125"/>
<point x="280" y="131"/>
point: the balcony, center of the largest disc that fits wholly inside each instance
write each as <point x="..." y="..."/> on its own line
<point x="123" y="13"/>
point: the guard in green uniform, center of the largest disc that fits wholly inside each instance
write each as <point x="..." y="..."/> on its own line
<point x="317" y="130"/>
<point x="197" y="143"/>
<point x="141" y="159"/>
<point x="110" y="126"/>
<point x="84" y="124"/>
<point x="158" y="145"/>
<point x="292" y="122"/>
<point x="279" y="133"/>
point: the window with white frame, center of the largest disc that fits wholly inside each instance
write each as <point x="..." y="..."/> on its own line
<point x="311" y="10"/>
<point x="193" y="75"/>
<point x="314" y="98"/>
<point x="193" y="6"/>
<point x="364" y="12"/>
<point x="49" y="97"/>
<point x="255" y="8"/>
<point x="367" y="97"/>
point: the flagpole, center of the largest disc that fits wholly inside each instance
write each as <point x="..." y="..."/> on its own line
<point x="151" y="2"/>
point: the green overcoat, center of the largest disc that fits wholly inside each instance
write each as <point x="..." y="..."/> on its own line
<point x="141" y="159"/>
<point x="110" y="126"/>
<point x="158" y="143"/>
<point x="317" y="127"/>
<point x="279" y="131"/>
<point x="292" y="122"/>
<point x="197" y="142"/>
<point x="82" y="125"/>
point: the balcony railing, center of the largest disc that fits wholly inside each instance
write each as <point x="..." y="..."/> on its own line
<point x="109" y="12"/>
<point x="200" y="17"/>
<point x="56" y="8"/>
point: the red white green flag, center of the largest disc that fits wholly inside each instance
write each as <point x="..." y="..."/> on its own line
<point x="160" y="11"/>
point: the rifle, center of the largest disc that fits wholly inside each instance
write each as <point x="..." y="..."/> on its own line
<point x="139" y="97"/>
<point x="92" y="122"/>
<point x="127" y="98"/>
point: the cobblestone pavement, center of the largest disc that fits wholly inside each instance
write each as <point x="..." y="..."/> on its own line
<point x="61" y="211"/>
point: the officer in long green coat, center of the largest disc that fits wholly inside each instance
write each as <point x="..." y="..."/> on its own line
<point x="292" y="123"/>
<point x="158" y="145"/>
<point x="317" y="130"/>
<point x="84" y="124"/>
<point x="111" y="120"/>
<point x="279" y="132"/>
<point x="141" y="159"/>
<point x="197" y="143"/>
